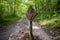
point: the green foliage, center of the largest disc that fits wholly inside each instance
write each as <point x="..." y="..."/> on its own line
<point x="9" y="8"/>
<point x="46" y="9"/>
<point x="13" y="9"/>
<point x="55" y="24"/>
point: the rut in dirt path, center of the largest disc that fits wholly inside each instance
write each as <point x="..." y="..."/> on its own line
<point x="24" y="25"/>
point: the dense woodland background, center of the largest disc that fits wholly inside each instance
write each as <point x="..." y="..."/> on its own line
<point x="46" y="10"/>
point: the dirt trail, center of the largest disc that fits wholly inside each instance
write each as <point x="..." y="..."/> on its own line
<point x="40" y="32"/>
<point x="24" y="25"/>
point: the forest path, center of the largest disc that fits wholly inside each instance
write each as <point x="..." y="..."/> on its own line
<point x="24" y="25"/>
